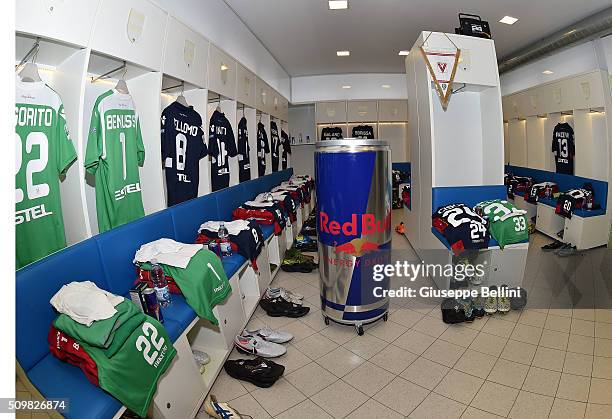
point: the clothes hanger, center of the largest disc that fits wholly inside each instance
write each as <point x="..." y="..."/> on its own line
<point x="181" y="98"/>
<point x="219" y="105"/>
<point x="29" y="72"/>
<point x="121" y="85"/>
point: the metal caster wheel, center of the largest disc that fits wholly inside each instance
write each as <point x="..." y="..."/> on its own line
<point x="359" y="330"/>
<point x="385" y="317"/>
<point x="326" y="320"/>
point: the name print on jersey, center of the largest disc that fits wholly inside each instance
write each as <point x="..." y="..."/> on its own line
<point x="33" y="117"/>
<point x="120" y="121"/>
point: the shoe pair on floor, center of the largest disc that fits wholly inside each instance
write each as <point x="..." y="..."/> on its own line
<point x="275" y="292"/>
<point x="263" y="342"/>
<point x="495" y="304"/>
<point x="560" y="249"/>
<point x="259" y="371"/>
<point x="304" y="243"/>
<point x="295" y="261"/>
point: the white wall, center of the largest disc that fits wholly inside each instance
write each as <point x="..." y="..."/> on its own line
<point x="307" y="89"/>
<point x="568" y="62"/>
<point x="217" y="22"/>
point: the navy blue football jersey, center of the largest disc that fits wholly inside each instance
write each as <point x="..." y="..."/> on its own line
<point x="221" y="146"/>
<point x="182" y="146"/>
<point x="563" y="148"/>
<point x="363" y="132"/>
<point x="262" y="148"/>
<point x="286" y="149"/>
<point x="244" y="162"/>
<point x="275" y="143"/>
<point x="462" y="227"/>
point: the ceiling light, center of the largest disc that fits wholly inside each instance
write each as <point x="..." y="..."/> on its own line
<point x="508" y="20"/>
<point x="547" y="72"/>
<point x="343" y="53"/>
<point x="224" y="67"/>
<point x="346" y="86"/>
<point x="386" y="86"/>
<point x="338" y="4"/>
<point x="403" y="52"/>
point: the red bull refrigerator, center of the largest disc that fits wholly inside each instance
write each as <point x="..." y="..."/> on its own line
<point x="353" y="202"/>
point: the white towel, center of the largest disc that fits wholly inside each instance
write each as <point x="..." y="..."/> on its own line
<point x="168" y="252"/>
<point x="85" y="303"/>
<point x="233" y="227"/>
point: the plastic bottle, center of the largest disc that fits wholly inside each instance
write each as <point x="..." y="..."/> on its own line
<point x="225" y="245"/>
<point x="162" y="292"/>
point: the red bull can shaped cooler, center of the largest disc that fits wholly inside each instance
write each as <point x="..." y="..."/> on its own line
<point x="353" y="187"/>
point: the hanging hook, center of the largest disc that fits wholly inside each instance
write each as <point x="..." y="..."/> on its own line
<point x="108" y="73"/>
<point x="32" y="52"/>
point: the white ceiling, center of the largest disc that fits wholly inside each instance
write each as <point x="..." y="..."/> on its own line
<point x="304" y="35"/>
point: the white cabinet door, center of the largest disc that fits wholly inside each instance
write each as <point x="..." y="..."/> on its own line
<point x="230" y="313"/>
<point x="131" y="30"/>
<point x="330" y="112"/>
<point x="392" y="110"/>
<point x="362" y="111"/>
<point x="245" y="86"/>
<point x="221" y="73"/>
<point x="185" y="54"/>
<point x="66" y="20"/>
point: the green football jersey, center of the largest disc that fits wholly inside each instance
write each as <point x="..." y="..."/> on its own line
<point x="114" y="153"/>
<point x="507" y="224"/>
<point x="44" y="151"/>
<point x="203" y="283"/>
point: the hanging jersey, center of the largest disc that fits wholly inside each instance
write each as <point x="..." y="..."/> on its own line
<point x="221" y="146"/>
<point x="275" y="145"/>
<point x="331" y="133"/>
<point x="114" y="153"/>
<point x="462" y="227"/>
<point x="363" y="132"/>
<point x="507" y="224"/>
<point x="286" y="149"/>
<point x="563" y="148"/>
<point x="540" y="190"/>
<point x="572" y="200"/>
<point x="43" y="151"/>
<point x="262" y="148"/>
<point x="183" y="145"/>
<point x="244" y="150"/>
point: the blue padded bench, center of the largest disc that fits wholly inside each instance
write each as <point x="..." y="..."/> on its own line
<point x="565" y="182"/>
<point x="468" y="195"/>
<point x="106" y="260"/>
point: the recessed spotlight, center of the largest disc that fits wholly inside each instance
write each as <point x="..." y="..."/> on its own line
<point x="346" y="86"/>
<point x="343" y="53"/>
<point x="547" y="72"/>
<point x="508" y="20"/>
<point x="338" y="4"/>
<point x="403" y="52"/>
<point x="386" y="86"/>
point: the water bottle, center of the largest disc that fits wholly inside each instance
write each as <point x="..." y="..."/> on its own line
<point x="224" y="244"/>
<point x="162" y="292"/>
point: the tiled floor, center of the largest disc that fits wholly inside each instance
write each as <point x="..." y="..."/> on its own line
<point x="539" y="363"/>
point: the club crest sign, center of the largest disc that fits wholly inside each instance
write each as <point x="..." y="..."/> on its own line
<point x="442" y="66"/>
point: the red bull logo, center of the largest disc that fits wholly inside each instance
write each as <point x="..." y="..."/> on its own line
<point x="357" y="247"/>
<point x="368" y="223"/>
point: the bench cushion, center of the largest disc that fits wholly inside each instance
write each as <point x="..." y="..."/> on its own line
<point x="188" y="216"/>
<point x="59" y="380"/>
<point x="118" y="246"/>
<point x="180" y="312"/>
<point x="232" y="264"/>
<point x="267" y="230"/>
<point x="37" y="283"/>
